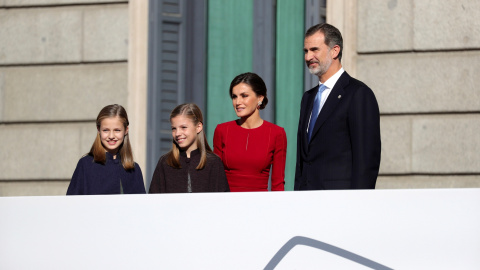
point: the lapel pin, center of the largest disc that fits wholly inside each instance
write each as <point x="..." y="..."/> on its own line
<point x="339" y="96"/>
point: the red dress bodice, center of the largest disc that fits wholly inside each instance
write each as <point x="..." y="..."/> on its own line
<point x="248" y="155"/>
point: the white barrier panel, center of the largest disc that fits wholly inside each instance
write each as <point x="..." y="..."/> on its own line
<point x="369" y="229"/>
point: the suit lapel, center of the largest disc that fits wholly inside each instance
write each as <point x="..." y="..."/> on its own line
<point x="332" y="101"/>
<point x="306" y="117"/>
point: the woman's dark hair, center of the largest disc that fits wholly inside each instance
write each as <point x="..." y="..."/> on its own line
<point x="98" y="150"/>
<point x="255" y="82"/>
<point x="192" y="112"/>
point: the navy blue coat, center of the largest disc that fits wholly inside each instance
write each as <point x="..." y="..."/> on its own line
<point x="92" y="178"/>
<point x="344" y="151"/>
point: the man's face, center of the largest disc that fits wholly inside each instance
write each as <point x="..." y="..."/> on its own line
<point x="317" y="54"/>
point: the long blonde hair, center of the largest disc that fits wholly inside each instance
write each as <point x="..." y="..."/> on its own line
<point x="191" y="111"/>
<point x="125" y="150"/>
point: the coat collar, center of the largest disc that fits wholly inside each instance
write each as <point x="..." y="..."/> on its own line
<point x="192" y="154"/>
<point x="330" y="104"/>
<point x="109" y="157"/>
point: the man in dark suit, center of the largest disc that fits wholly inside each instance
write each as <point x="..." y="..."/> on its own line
<point x="338" y="143"/>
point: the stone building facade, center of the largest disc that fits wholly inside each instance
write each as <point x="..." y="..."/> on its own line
<point x="61" y="61"/>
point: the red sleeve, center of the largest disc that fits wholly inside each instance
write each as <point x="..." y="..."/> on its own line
<point x="218" y="141"/>
<point x="279" y="159"/>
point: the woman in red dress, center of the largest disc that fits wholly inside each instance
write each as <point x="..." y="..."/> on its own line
<point x="251" y="147"/>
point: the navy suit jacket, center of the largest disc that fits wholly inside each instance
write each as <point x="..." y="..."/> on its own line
<point x="344" y="151"/>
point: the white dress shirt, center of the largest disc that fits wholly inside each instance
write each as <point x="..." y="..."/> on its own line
<point x="329" y="84"/>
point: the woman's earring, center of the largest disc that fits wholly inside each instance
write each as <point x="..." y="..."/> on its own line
<point x="259" y="103"/>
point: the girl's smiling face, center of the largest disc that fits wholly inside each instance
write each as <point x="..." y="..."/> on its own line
<point x="184" y="133"/>
<point x="112" y="133"/>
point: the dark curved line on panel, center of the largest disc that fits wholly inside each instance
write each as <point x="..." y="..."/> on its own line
<point x="300" y="240"/>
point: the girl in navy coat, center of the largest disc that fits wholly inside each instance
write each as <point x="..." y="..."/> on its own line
<point x="109" y="167"/>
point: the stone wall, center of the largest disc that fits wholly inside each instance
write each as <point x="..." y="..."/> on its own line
<point x="423" y="62"/>
<point x="61" y="61"/>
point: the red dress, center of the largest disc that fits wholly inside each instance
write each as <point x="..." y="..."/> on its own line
<point x="248" y="153"/>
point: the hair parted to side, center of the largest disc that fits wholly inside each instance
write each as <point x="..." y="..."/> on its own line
<point x="191" y="111"/>
<point x="125" y="150"/>
<point x="332" y="36"/>
<point x="255" y="82"/>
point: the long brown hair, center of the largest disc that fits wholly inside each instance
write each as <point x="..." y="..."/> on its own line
<point x="191" y="111"/>
<point x="125" y="150"/>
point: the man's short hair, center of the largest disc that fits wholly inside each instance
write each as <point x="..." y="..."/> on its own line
<point x="332" y="35"/>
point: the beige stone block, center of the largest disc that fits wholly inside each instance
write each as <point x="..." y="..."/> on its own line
<point x="61" y="93"/>
<point x="396" y="144"/>
<point x="105" y="33"/>
<point x="384" y="26"/>
<point x="43" y="151"/>
<point x="423" y="82"/>
<point x="446" y="24"/>
<point x="437" y="181"/>
<point x="40" y="35"/>
<point x="34" y="188"/>
<point x="2" y="98"/>
<point x="17" y="3"/>
<point x="446" y="144"/>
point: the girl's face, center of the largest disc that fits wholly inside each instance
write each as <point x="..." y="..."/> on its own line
<point x="184" y="133"/>
<point x="112" y="133"/>
<point x="244" y="100"/>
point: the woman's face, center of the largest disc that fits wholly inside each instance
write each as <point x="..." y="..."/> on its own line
<point x="112" y="133"/>
<point x="244" y="100"/>
<point x="184" y="132"/>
